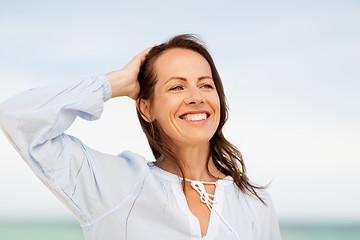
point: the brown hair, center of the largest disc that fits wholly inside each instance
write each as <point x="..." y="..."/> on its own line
<point x="227" y="158"/>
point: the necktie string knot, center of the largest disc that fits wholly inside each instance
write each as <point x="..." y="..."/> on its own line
<point x="205" y="197"/>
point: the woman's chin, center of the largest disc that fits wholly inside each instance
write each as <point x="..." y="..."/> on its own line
<point x="193" y="141"/>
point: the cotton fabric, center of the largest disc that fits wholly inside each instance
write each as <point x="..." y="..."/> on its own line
<point x="124" y="196"/>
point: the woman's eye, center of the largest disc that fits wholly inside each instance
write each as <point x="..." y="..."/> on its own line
<point x="207" y="86"/>
<point x="176" y="88"/>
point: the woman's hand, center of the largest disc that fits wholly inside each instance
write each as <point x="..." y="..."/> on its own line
<point x="124" y="82"/>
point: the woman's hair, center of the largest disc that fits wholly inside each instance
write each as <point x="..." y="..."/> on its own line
<point x="227" y="158"/>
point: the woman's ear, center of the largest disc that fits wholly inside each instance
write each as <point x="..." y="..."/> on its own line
<point x="143" y="106"/>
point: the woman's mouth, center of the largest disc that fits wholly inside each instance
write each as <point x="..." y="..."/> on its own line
<point x="194" y="116"/>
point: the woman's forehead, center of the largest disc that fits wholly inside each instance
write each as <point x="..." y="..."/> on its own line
<point x="179" y="62"/>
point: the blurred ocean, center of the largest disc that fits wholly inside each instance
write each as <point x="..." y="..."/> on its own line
<point x="62" y="230"/>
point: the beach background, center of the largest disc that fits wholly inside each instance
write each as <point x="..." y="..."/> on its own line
<point x="70" y="230"/>
<point x="291" y="75"/>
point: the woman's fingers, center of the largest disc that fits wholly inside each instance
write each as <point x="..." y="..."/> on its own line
<point x="142" y="55"/>
<point x="124" y="82"/>
<point x="138" y="60"/>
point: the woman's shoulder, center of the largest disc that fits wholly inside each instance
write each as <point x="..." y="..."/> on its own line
<point x="126" y="162"/>
<point x="127" y="154"/>
<point x="263" y="207"/>
<point x="262" y="193"/>
<point x="133" y="158"/>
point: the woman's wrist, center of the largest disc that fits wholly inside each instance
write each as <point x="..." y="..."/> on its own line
<point x="112" y="77"/>
<point x="120" y="84"/>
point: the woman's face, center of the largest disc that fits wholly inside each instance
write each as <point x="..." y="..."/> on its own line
<point x="186" y="103"/>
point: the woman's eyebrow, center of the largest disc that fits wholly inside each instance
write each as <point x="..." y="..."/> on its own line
<point x="205" y="77"/>
<point x="175" y="78"/>
<point x="185" y="79"/>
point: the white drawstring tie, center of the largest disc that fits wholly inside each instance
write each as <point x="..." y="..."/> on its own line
<point x="205" y="197"/>
<point x="209" y="200"/>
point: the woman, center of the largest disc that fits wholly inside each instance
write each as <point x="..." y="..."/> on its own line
<point x="197" y="187"/>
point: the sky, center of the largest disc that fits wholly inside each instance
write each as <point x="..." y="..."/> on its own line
<point x="289" y="68"/>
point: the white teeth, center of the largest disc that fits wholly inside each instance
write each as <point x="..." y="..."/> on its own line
<point x="195" y="117"/>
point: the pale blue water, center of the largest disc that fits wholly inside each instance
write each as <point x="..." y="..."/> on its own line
<point x="53" y="230"/>
<point x="40" y="231"/>
<point x="320" y="232"/>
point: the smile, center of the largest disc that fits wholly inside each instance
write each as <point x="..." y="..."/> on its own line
<point x="194" y="117"/>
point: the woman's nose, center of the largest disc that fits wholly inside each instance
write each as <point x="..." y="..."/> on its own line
<point x="194" y="96"/>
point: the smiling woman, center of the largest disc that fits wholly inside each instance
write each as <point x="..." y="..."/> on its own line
<point x="183" y="97"/>
<point x="197" y="187"/>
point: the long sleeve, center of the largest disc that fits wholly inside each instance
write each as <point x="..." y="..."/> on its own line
<point x="270" y="224"/>
<point x="35" y="122"/>
<point x="266" y="217"/>
<point x="38" y="117"/>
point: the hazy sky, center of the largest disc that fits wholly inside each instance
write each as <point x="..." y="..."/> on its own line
<point x="290" y="71"/>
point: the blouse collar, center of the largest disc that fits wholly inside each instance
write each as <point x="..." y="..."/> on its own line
<point x="175" y="178"/>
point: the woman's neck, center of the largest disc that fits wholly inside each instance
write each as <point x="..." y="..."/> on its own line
<point x="195" y="161"/>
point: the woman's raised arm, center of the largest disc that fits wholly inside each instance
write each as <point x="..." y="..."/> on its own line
<point x="35" y="121"/>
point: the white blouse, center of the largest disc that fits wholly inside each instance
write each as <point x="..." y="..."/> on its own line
<point x="124" y="196"/>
